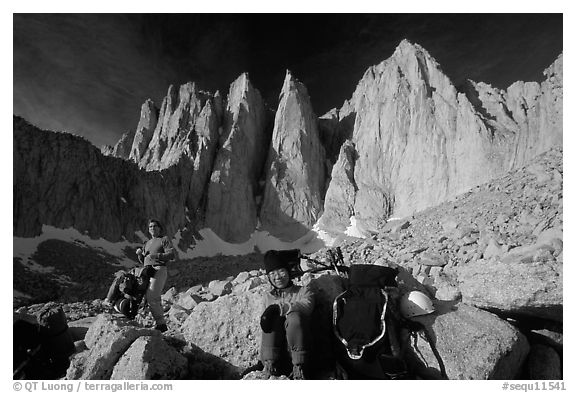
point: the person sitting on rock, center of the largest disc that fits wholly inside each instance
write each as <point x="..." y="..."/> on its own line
<point x="284" y="322"/>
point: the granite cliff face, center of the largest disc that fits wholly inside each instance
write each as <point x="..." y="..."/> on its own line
<point x="406" y="140"/>
<point x="231" y="210"/>
<point x="420" y="142"/>
<point x="64" y="181"/>
<point x="294" y="187"/>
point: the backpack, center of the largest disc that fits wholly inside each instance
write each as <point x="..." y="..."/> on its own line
<point x="133" y="283"/>
<point x="367" y="325"/>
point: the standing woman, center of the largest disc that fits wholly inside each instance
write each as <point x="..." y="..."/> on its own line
<point x="157" y="251"/>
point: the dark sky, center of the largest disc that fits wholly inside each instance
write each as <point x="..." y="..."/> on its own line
<point x="89" y="73"/>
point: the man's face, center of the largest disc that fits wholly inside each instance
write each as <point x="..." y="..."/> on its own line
<point x="279" y="277"/>
<point x="154" y="229"/>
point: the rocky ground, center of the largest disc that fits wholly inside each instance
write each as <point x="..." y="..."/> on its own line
<point x="491" y="259"/>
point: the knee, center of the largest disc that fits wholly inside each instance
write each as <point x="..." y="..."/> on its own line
<point x="152" y="297"/>
<point x="294" y="320"/>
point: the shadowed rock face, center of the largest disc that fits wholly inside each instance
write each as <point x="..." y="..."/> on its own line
<point x="231" y="208"/>
<point x="295" y="168"/>
<point x="419" y="142"/>
<point x="64" y="181"/>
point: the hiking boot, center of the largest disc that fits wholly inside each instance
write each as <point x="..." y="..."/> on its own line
<point x="297" y="372"/>
<point x="270" y="369"/>
<point x="162" y="327"/>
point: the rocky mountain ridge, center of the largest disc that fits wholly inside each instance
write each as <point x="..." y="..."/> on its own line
<point x="406" y="140"/>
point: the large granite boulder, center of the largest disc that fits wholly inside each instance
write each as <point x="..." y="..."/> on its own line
<point x="150" y="357"/>
<point x="107" y="339"/>
<point x="472" y="344"/>
<point x="228" y="327"/>
<point x="519" y="283"/>
<point x="543" y="363"/>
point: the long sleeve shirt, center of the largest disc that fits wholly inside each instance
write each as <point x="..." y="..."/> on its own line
<point x="158" y="251"/>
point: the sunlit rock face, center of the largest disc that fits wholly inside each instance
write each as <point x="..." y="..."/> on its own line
<point x="295" y="171"/>
<point x="420" y="142"/>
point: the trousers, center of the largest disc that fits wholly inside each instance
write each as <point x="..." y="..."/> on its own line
<point x="155" y="291"/>
<point x="289" y="333"/>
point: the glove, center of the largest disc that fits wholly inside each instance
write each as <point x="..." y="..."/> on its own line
<point x="268" y="318"/>
<point x="157" y="256"/>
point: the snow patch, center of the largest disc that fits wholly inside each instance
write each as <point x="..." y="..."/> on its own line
<point x="18" y="294"/>
<point x="356" y="229"/>
<point x="208" y="244"/>
<point x="24" y="248"/>
<point x="211" y="245"/>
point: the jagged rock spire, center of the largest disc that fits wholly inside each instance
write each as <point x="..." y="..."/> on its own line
<point x="295" y="168"/>
<point x="231" y="209"/>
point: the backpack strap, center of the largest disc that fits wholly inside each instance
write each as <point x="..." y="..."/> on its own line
<point x="415" y="327"/>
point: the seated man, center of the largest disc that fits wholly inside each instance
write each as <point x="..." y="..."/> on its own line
<point x="285" y="319"/>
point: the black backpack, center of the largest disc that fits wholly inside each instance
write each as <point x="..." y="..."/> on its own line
<point x="366" y="324"/>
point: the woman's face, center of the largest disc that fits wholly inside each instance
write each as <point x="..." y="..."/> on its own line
<point x="154" y="229"/>
<point x="279" y="277"/>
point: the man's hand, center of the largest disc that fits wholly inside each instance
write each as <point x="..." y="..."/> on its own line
<point x="268" y="318"/>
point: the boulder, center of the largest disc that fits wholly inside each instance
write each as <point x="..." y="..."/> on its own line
<point x="170" y="296"/>
<point x="187" y="301"/>
<point x="432" y="259"/>
<point x="493" y="249"/>
<point x="515" y="285"/>
<point x="544" y="363"/>
<point x="247" y="285"/>
<point x="241" y="278"/>
<point x="219" y="288"/>
<point x="445" y="291"/>
<point x="79" y="328"/>
<point x="150" y="357"/>
<point x="472" y="343"/>
<point x="228" y="328"/>
<point x="107" y="340"/>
